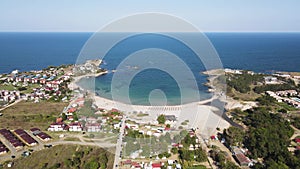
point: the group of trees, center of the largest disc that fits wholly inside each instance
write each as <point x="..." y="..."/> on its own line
<point x="192" y="155"/>
<point x="242" y="82"/>
<point x="149" y="145"/>
<point x="268" y="137"/>
<point x="296" y="122"/>
<point x="234" y="136"/>
<point x="220" y="158"/>
<point x="187" y="155"/>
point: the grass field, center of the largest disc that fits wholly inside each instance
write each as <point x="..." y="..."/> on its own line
<point x="64" y="157"/>
<point x="27" y="114"/>
<point x="10" y="87"/>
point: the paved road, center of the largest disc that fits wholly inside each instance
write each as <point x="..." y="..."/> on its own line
<point x="119" y="144"/>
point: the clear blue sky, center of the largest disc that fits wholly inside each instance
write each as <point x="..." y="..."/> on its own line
<point x="208" y="15"/>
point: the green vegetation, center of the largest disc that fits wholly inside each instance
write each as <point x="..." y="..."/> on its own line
<point x="27" y="115"/>
<point x="187" y="156"/>
<point x="197" y="167"/>
<point x="87" y="109"/>
<point x="71" y="139"/>
<point x="161" y="119"/>
<point x="270" y="103"/>
<point x="22" y="89"/>
<point x="7" y="87"/>
<point x="67" y="156"/>
<point x="221" y="158"/>
<point x="242" y="82"/>
<point x="268" y="138"/>
<point x="234" y="136"/>
<point x="296" y="122"/>
<point x="136" y="141"/>
<point x="288" y="85"/>
<point x="142" y="114"/>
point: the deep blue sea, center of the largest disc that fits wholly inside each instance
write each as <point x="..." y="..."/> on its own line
<point x="261" y="52"/>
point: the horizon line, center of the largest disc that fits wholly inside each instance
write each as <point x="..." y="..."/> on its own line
<point x="152" y="32"/>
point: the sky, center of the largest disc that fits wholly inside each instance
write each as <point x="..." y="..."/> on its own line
<point x="206" y="15"/>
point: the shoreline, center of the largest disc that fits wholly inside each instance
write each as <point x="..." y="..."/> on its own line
<point x="201" y="114"/>
<point x="73" y="84"/>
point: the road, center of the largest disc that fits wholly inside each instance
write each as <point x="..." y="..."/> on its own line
<point x="296" y="132"/>
<point x="119" y="144"/>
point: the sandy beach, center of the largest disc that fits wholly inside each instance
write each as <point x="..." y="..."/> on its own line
<point x="200" y="115"/>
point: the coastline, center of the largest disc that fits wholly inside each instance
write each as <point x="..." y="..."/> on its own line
<point x="73" y="84"/>
<point x="201" y="114"/>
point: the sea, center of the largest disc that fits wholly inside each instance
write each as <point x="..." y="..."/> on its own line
<point x="259" y="52"/>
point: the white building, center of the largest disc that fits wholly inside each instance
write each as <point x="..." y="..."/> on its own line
<point x="76" y="126"/>
<point x="93" y="127"/>
<point x="56" y="127"/>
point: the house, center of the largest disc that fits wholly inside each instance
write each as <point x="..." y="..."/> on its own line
<point x="43" y="136"/>
<point x="35" y="131"/>
<point x="127" y="163"/>
<point x="177" y="145"/>
<point x="59" y="120"/>
<point x="93" y="127"/>
<point x="156" y="166"/>
<point x="240" y="157"/>
<point x="70" y="117"/>
<point x="91" y="120"/>
<point x="60" y="126"/>
<point x="170" y="119"/>
<point x="43" y="81"/>
<point x="72" y="110"/>
<point x="135" y="165"/>
<point x="75" y="126"/>
<point x="25" y="137"/>
<point x="13" y="140"/>
<point x="271" y="80"/>
<point x="117" y="125"/>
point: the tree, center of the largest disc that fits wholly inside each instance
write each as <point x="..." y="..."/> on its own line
<point x="161" y="119"/>
<point x="174" y="150"/>
<point x="268" y="137"/>
<point x="200" y="155"/>
<point x="75" y="117"/>
<point x="187" y="155"/>
<point x="276" y="165"/>
<point x="103" y="161"/>
<point x="234" y="136"/>
<point x="92" y="164"/>
<point x="183" y="133"/>
<point x="64" y="116"/>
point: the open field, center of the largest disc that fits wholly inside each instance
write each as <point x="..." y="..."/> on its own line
<point x="11" y="87"/>
<point x="64" y="157"/>
<point x="27" y="114"/>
